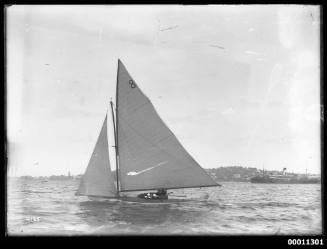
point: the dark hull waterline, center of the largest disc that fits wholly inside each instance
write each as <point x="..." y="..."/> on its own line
<point x="136" y="200"/>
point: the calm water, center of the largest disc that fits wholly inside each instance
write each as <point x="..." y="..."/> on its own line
<point x="51" y="208"/>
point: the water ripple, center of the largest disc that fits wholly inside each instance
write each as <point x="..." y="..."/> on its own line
<point x="36" y="207"/>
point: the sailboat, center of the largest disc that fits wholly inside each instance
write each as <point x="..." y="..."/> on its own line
<point x="148" y="154"/>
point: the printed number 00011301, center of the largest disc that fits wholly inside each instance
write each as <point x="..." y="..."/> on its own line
<point x="318" y="242"/>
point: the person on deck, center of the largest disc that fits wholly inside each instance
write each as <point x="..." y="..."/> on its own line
<point x="162" y="193"/>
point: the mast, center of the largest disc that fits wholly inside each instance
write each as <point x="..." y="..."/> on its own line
<point x="114" y="123"/>
<point x="150" y="154"/>
<point x="116" y="128"/>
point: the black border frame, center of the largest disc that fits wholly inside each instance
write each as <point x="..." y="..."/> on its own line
<point x="152" y="241"/>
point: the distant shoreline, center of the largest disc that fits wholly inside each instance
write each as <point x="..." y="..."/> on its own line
<point x="221" y="174"/>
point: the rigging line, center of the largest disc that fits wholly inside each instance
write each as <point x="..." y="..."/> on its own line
<point x="116" y="141"/>
<point x="115" y="135"/>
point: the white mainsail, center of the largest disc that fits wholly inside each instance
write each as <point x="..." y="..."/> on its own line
<point x="150" y="156"/>
<point x="98" y="180"/>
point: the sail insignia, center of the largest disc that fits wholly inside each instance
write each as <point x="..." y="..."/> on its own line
<point x="150" y="155"/>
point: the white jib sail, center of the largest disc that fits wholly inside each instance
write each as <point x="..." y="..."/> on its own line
<point x="98" y="180"/>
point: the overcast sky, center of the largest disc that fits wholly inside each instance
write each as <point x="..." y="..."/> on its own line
<point x="237" y="85"/>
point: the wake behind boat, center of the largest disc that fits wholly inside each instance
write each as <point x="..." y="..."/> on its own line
<point x="148" y="154"/>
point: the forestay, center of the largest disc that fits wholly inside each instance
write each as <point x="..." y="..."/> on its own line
<point x="150" y="156"/>
<point x="98" y="180"/>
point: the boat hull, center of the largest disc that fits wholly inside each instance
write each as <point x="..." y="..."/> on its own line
<point x="151" y="201"/>
<point x="135" y="200"/>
